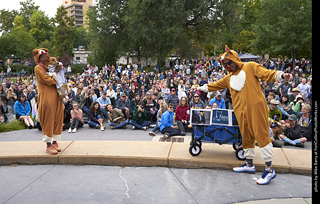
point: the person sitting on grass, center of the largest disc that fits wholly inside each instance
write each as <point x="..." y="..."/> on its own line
<point x="95" y="116"/>
<point x="140" y="117"/>
<point x="23" y="109"/>
<point x="116" y="117"/>
<point x="292" y="134"/>
<point x="166" y="123"/>
<point x="76" y="117"/>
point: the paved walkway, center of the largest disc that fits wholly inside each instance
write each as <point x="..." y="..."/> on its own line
<point x="196" y="180"/>
<point x="113" y="184"/>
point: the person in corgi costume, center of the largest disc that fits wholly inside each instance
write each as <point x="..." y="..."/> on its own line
<point x="50" y="105"/>
<point x="250" y="107"/>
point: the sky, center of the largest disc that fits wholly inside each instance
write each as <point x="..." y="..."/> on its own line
<point x="48" y="6"/>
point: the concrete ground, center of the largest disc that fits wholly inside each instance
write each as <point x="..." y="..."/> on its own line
<point x="114" y="184"/>
<point x="87" y="133"/>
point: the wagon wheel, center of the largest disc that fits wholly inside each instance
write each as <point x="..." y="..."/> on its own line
<point x="195" y="150"/>
<point x="236" y="146"/>
<point x="240" y="154"/>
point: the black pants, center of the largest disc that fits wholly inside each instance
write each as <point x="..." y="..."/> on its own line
<point x="182" y="126"/>
<point x="76" y="123"/>
<point x="171" y="131"/>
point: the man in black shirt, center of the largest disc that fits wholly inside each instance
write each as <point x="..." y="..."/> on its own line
<point x="292" y="134"/>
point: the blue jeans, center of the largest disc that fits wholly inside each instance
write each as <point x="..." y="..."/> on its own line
<point x="139" y="126"/>
<point x="94" y="124"/>
<point x="157" y="127"/>
<point x="118" y="126"/>
<point x="105" y="113"/>
<point x="85" y="109"/>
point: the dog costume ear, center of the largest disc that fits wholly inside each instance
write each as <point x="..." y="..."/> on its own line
<point x="227" y="49"/>
<point x="35" y="52"/>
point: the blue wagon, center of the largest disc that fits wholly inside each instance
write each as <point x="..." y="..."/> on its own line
<point x="216" y="125"/>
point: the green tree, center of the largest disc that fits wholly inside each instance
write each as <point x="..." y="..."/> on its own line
<point x="64" y="35"/>
<point x="243" y="41"/>
<point x="285" y="28"/>
<point x="6" y="20"/>
<point x="18" y="42"/>
<point x="41" y="26"/>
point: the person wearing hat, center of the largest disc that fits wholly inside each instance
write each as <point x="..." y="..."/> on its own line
<point x="297" y="104"/>
<point x="292" y="134"/>
<point x="250" y="108"/>
<point x="123" y="103"/>
<point x="294" y="94"/>
<point x="23" y="109"/>
<point x="103" y="101"/>
<point x="274" y="113"/>
<point x="218" y="100"/>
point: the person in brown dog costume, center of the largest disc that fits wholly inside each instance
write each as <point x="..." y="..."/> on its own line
<point x="250" y="108"/>
<point x="50" y="105"/>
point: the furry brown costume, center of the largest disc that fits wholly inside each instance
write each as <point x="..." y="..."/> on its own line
<point x="50" y="105"/>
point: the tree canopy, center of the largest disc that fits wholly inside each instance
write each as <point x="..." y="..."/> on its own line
<point x="157" y="29"/>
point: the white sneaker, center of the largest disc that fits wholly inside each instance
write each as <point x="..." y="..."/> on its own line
<point x="152" y="133"/>
<point x="102" y="128"/>
<point x="70" y="130"/>
<point x="267" y="176"/>
<point x="74" y="130"/>
<point x="133" y="127"/>
<point x="144" y="128"/>
<point x="245" y="169"/>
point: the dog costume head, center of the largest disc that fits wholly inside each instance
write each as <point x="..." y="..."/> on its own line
<point x="38" y="52"/>
<point x="231" y="55"/>
<point x="51" y="62"/>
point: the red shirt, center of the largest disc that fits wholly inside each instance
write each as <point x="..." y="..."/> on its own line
<point x="181" y="113"/>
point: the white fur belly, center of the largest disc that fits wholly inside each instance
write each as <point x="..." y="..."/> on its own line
<point x="237" y="81"/>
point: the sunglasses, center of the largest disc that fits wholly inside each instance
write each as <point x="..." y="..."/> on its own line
<point x="196" y="96"/>
<point x="228" y="63"/>
<point x="171" y="107"/>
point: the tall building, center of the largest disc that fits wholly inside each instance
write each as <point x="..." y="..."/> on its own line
<point x="78" y="9"/>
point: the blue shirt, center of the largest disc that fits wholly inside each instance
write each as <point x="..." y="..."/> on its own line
<point x="103" y="102"/>
<point x="22" y="110"/>
<point x="166" y="120"/>
<point x="221" y="103"/>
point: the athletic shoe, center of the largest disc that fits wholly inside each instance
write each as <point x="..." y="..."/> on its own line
<point x="245" y="169"/>
<point x="51" y="150"/>
<point x="144" y="128"/>
<point x="152" y="133"/>
<point x="133" y="127"/>
<point x="102" y="128"/>
<point x="266" y="177"/>
<point x="70" y="130"/>
<point x="74" y="130"/>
